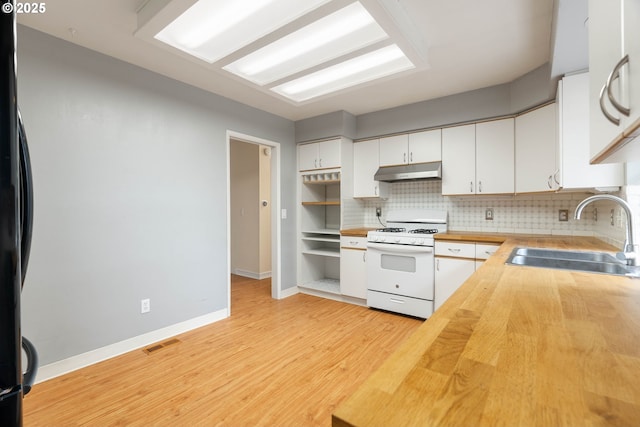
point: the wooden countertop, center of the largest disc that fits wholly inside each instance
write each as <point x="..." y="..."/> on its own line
<point x="515" y="346"/>
<point x="356" y="232"/>
<point x="475" y="236"/>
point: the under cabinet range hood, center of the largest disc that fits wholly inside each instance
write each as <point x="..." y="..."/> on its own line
<point x="411" y="172"/>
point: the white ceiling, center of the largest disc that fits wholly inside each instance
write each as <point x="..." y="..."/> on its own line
<point x="470" y="45"/>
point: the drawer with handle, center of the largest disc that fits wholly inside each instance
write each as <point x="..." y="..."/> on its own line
<point x="455" y="249"/>
<point x="484" y="251"/>
<point x="351" y="242"/>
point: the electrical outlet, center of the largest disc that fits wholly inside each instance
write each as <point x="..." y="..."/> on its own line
<point x="488" y="214"/>
<point x="145" y="306"/>
<point x="563" y="215"/>
<point x="378" y="212"/>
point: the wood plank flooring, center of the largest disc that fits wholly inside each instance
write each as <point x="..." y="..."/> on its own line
<point x="272" y="363"/>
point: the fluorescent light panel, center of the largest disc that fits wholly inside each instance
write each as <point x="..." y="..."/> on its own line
<point x="212" y="29"/>
<point x="374" y="65"/>
<point x="342" y="32"/>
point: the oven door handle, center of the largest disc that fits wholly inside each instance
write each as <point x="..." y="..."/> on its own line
<point x="400" y="249"/>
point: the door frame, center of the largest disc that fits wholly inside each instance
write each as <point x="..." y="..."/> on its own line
<point x="276" y="221"/>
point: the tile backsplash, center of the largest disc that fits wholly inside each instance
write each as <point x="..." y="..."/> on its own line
<point x="532" y="214"/>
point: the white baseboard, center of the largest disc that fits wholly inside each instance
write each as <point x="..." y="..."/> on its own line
<point x="79" y="361"/>
<point x="332" y="296"/>
<point x="252" y="274"/>
<point x="286" y="293"/>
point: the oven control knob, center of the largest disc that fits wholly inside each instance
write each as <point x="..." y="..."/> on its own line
<point x="413" y="242"/>
<point x="383" y="239"/>
<point x="397" y="240"/>
<point x="421" y="242"/>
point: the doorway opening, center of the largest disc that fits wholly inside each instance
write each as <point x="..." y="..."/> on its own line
<point x="253" y="206"/>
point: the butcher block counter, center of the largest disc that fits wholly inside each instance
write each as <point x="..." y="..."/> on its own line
<point x="515" y="346"/>
<point x="356" y="232"/>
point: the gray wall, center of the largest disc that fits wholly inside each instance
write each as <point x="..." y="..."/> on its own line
<point x="338" y="123"/>
<point x="130" y="177"/>
<point x="532" y="89"/>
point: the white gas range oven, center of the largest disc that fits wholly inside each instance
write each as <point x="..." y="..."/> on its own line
<point x="400" y="262"/>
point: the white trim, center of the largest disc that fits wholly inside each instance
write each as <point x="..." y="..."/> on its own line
<point x="276" y="219"/>
<point x="79" y="361"/>
<point x="335" y="297"/>
<point x="252" y="274"/>
<point x="286" y="293"/>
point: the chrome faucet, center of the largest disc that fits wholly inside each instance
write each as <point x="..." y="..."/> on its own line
<point x="629" y="252"/>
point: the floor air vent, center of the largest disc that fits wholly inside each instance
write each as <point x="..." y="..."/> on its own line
<point x="155" y="347"/>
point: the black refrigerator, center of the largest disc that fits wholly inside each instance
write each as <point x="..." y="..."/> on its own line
<point x="16" y="219"/>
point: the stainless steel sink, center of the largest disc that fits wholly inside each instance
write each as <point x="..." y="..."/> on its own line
<point x="591" y="262"/>
<point x="568" y="255"/>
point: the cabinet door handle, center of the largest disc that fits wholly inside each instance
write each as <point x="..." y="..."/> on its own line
<point x="364" y="256"/>
<point x="320" y="162"/>
<point x="315" y="163"/>
<point x="404" y="157"/>
<point x="549" y="181"/>
<point x="471" y="186"/>
<point x="454" y="250"/>
<point x="614" y="75"/>
<point x="437" y="264"/>
<point x="555" y="177"/>
<point x="603" y="108"/>
<point x="375" y="190"/>
<point x="479" y="186"/>
<point x="411" y="157"/>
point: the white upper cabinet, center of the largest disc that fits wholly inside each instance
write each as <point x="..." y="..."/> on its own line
<point x="425" y="147"/>
<point x="495" y="157"/>
<point x="478" y="158"/>
<point x="420" y="147"/>
<point x="459" y="160"/>
<point x="366" y="160"/>
<point x="393" y="150"/>
<point x="308" y="156"/>
<point x="536" y="148"/>
<point x="573" y="138"/>
<point x="631" y="47"/>
<point x="614" y="90"/>
<point x="319" y="155"/>
<point x="605" y="50"/>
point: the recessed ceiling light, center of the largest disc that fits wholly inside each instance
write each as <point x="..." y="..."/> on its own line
<point x="373" y="65"/>
<point x="212" y="29"/>
<point x="342" y="32"/>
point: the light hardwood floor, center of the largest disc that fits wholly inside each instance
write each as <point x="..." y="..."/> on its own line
<point x="272" y="363"/>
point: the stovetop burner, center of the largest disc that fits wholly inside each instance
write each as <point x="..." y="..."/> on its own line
<point x="392" y="230"/>
<point x="424" y="231"/>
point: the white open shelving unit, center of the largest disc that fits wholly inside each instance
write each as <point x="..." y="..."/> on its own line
<point x="320" y="192"/>
<point x="320" y="230"/>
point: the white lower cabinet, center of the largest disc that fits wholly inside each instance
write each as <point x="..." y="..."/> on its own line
<point x="455" y="263"/>
<point x="353" y="267"/>
<point x="450" y="274"/>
